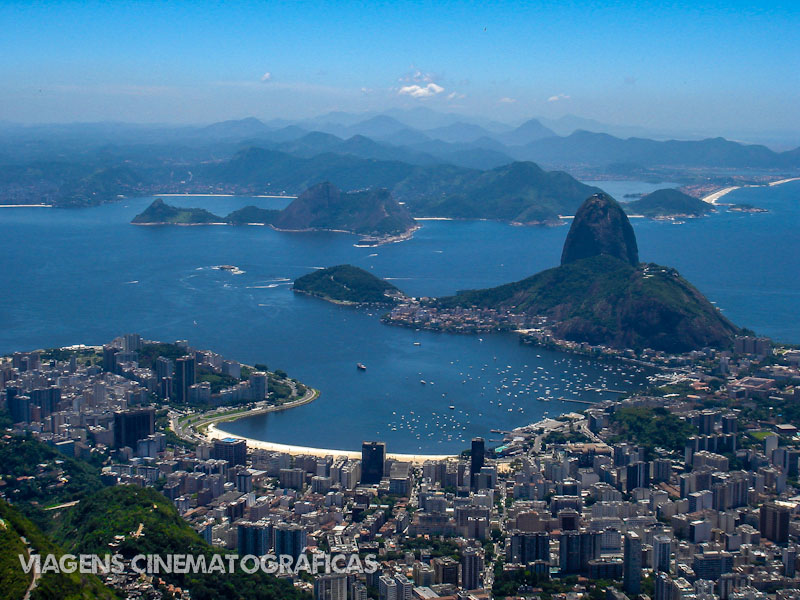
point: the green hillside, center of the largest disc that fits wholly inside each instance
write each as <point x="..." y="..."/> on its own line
<point x="346" y="284"/>
<point x="668" y="203"/>
<point x="93" y="524"/>
<point x="252" y="214"/>
<point x="161" y="213"/>
<point x="36" y="475"/>
<point x="51" y="586"/>
<point x="603" y="300"/>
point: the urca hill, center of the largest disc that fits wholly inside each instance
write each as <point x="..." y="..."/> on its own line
<point x="602" y="294"/>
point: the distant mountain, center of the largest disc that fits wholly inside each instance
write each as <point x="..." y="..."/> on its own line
<point x="275" y="171"/>
<point x="241" y="128"/>
<point x="601" y="294"/>
<point x="458" y="132"/>
<point x="599" y="149"/>
<point x="600" y="227"/>
<point x="377" y="127"/>
<point x="519" y="192"/>
<point x="668" y="203"/>
<point x="347" y="284"/>
<point x="252" y="214"/>
<point x="526" y="133"/>
<point x="324" y="206"/>
<point x="568" y="124"/>
<point x="160" y="213"/>
<point x="316" y="142"/>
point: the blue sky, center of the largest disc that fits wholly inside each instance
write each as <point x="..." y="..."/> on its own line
<point x="731" y="66"/>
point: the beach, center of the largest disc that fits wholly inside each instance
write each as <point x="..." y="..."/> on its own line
<point x="714" y="197"/>
<point x="212" y="433"/>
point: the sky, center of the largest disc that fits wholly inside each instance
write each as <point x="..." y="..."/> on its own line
<point x="713" y="66"/>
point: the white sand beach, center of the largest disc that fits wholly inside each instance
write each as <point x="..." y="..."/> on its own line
<point x="212" y="433"/>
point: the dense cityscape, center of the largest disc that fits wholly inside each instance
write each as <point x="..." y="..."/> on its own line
<point x="688" y="491"/>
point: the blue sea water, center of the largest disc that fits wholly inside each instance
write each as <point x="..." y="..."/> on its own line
<point x="87" y="275"/>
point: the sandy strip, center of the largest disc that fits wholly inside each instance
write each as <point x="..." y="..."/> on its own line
<point x="212" y="433"/>
<point x="26" y="206"/>
<point x="714" y="198"/>
<point x="772" y="183"/>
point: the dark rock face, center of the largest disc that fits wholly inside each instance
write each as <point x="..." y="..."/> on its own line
<point x="600" y="227"/>
<point x="324" y="206"/>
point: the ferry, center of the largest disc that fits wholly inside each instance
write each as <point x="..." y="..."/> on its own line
<point x="361" y="366"/>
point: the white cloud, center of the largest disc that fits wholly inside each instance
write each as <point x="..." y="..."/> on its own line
<point x="266" y="77"/>
<point x="421" y="91"/>
<point x="507" y="100"/>
<point x="558" y="97"/>
<point x="417" y="76"/>
<point x="455" y="96"/>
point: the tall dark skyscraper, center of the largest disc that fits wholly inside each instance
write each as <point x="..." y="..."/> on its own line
<point x="471" y="567"/>
<point x="184" y="377"/>
<point x="254" y="538"/>
<point x="477" y="458"/>
<point x="774" y="521"/>
<point x="231" y="449"/>
<point x="373" y="459"/>
<point x="290" y="539"/>
<point x="130" y="426"/>
<point x="632" y="565"/>
<point x="638" y="475"/>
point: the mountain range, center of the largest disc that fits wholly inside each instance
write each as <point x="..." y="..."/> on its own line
<point x="424" y="157"/>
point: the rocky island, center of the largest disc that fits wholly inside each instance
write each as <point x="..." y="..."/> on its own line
<point x="161" y="213"/>
<point x="373" y="214"/>
<point x="668" y="204"/>
<point x="346" y="284"/>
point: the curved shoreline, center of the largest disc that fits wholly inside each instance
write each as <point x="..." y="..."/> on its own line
<point x="714" y="197"/>
<point x="209" y="421"/>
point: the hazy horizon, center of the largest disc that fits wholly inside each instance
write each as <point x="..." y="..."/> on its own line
<point x="711" y="69"/>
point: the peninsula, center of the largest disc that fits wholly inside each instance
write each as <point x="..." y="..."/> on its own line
<point x="668" y="204"/>
<point x="346" y="284"/>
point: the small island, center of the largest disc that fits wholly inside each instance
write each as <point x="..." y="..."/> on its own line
<point x="373" y="214"/>
<point x="746" y="208"/>
<point x="346" y="284"/>
<point x="161" y="213"/>
<point x="668" y="204"/>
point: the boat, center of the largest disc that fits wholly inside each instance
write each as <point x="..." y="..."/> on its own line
<point x="361" y="366"/>
<point x="422" y="381"/>
<point x="451" y="407"/>
<point x="418" y="343"/>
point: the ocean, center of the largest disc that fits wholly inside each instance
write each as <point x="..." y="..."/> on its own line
<point x="87" y="275"/>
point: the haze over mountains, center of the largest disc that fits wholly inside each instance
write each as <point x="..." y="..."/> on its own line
<point x="424" y="157"/>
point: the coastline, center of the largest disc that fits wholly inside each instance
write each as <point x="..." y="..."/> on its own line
<point x="213" y="433"/>
<point x="209" y="423"/>
<point x="714" y="197"/>
<point x="26" y="206"/>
